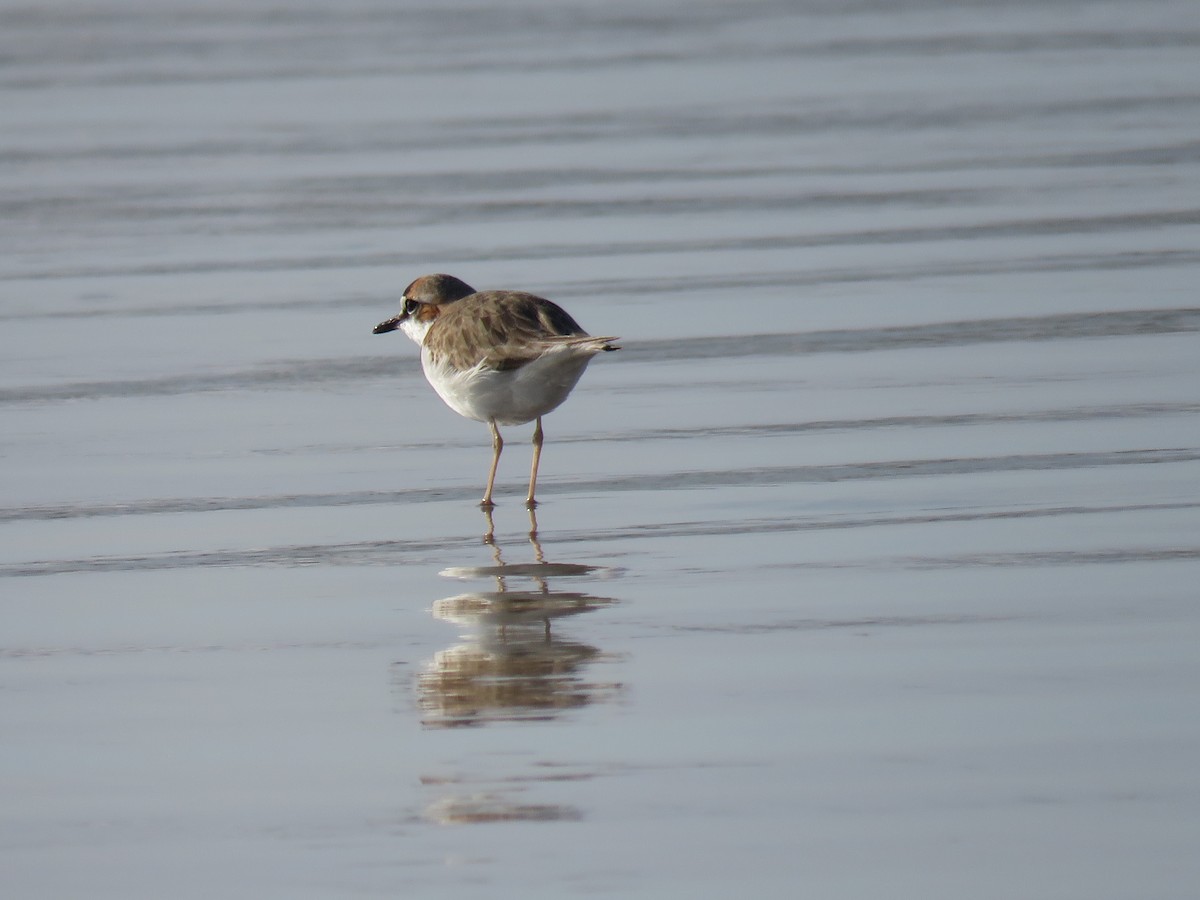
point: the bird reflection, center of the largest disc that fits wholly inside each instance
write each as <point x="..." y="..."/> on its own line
<point x="490" y="807"/>
<point x="510" y="666"/>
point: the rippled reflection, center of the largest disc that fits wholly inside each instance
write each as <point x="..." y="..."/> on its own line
<point x="495" y="808"/>
<point x="511" y="666"/>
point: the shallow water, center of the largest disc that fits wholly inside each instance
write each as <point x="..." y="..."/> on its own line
<point x="868" y="566"/>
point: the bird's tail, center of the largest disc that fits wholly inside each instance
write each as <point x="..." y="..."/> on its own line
<point x="589" y="343"/>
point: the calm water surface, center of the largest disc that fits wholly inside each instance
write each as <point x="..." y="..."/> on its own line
<point x="867" y="567"/>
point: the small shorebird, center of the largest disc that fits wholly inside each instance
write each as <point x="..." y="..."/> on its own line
<point x="501" y="357"/>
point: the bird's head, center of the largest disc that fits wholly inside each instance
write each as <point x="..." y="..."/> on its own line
<point x="420" y="304"/>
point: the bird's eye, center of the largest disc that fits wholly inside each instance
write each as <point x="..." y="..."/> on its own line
<point x="410" y="306"/>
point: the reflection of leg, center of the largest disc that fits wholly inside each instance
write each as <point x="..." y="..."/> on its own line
<point x="533" y="537"/>
<point x="537" y="456"/>
<point x="497" y="446"/>
<point x="539" y="555"/>
<point x="489" y="538"/>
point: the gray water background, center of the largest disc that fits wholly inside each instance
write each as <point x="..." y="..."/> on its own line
<point x="870" y="562"/>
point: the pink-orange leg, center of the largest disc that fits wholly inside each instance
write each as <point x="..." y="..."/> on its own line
<point x="537" y="457"/>
<point x="497" y="446"/>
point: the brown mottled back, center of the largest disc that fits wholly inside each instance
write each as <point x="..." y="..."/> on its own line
<point x="503" y="329"/>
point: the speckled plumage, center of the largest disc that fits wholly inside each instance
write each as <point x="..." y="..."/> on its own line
<point x="501" y="357"/>
<point x="501" y="329"/>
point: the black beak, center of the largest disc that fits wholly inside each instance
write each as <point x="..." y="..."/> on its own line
<point x="390" y="325"/>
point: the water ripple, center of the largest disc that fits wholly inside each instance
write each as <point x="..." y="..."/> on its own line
<point x="309" y="373"/>
<point x="395" y="552"/>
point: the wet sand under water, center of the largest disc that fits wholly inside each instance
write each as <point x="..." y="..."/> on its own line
<point x="867" y="566"/>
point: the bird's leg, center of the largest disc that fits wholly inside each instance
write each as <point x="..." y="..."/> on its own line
<point x="537" y="456"/>
<point x="497" y="446"/>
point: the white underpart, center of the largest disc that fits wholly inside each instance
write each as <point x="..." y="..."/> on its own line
<point x="513" y="396"/>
